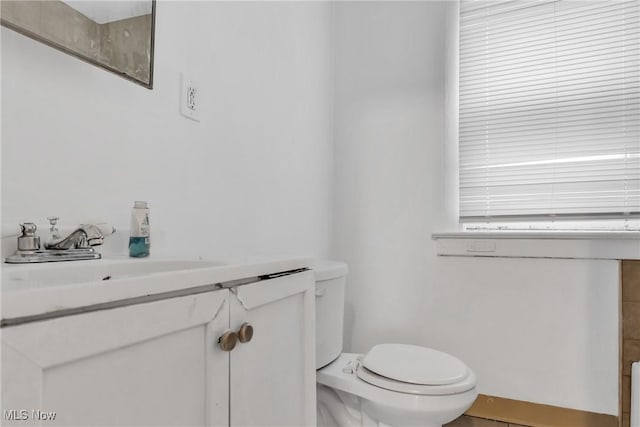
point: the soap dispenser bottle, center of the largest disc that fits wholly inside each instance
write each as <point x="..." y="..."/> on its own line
<point x="139" y="242"/>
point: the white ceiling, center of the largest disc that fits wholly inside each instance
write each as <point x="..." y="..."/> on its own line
<point x="102" y="11"/>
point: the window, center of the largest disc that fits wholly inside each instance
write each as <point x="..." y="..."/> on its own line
<point x="549" y="117"/>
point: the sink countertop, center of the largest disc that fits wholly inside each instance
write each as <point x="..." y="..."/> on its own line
<point x="25" y="296"/>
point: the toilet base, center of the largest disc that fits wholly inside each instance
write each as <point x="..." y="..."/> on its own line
<point x="339" y="409"/>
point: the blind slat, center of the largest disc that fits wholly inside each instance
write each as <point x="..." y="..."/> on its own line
<point x="481" y="108"/>
<point x="609" y="58"/>
<point x="543" y="34"/>
<point x="545" y="87"/>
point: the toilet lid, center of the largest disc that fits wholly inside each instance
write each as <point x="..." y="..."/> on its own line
<point x="415" y="365"/>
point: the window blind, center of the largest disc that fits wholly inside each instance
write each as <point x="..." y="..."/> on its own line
<point x="549" y="117"/>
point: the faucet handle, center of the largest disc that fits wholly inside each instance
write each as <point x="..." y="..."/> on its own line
<point x="28" y="229"/>
<point x="53" y="220"/>
<point x="28" y="241"/>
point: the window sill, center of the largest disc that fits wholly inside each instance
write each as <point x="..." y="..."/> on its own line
<point x="538" y="234"/>
<point x="540" y="244"/>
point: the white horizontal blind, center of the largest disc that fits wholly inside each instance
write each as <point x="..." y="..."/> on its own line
<point x="549" y="109"/>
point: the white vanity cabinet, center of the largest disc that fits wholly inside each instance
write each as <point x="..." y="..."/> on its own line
<point x="159" y="363"/>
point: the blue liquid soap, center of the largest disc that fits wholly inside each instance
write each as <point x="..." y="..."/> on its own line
<point x="139" y="238"/>
<point x="138" y="247"/>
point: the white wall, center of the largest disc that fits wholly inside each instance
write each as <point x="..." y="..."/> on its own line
<point x="253" y="176"/>
<point x="539" y="330"/>
<point x="390" y="93"/>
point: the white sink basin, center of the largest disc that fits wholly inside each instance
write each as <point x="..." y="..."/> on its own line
<point x="67" y="273"/>
<point x="36" y="289"/>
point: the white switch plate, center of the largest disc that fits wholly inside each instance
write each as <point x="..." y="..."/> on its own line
<point x="189" y="98"/>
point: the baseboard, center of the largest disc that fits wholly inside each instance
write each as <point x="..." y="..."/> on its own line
<point x="536" y="414"/>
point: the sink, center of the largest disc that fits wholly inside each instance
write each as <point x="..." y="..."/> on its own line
<point x="41" y="289"/>
<point x="58" y="274"/>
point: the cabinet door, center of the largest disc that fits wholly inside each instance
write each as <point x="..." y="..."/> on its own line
<point x="272" y="377"/>
<point x="152" y="364"/>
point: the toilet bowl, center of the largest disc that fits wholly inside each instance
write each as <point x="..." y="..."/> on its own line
<point x="390" y="385"/>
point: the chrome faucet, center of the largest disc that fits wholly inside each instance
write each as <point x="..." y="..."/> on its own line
<point x="84" y="237"/>
<point x="76" y="246"/>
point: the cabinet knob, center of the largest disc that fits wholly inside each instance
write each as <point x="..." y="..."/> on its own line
<point x="245" y="333"/>
<point x="228" y="340"/>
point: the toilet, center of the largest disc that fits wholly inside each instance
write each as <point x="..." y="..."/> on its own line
<point x="390" y="385"/>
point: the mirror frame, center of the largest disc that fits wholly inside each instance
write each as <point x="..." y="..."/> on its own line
<point x="86" y="59"/>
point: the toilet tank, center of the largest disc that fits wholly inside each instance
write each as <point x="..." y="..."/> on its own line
<point x="330" y="282"/>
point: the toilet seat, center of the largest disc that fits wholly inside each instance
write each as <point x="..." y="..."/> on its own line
<point x="415" y="370"/>
<point x="353" y="396"/>
<point x="424" y="390"/>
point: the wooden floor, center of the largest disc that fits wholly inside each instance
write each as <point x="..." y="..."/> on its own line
<point x="493" y="411"/>
<point x="467" y="421"/>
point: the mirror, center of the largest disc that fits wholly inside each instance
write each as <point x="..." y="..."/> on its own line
<point x="116" y="35"/>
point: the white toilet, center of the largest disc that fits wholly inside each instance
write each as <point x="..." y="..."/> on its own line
<point x="390" y="385"/>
